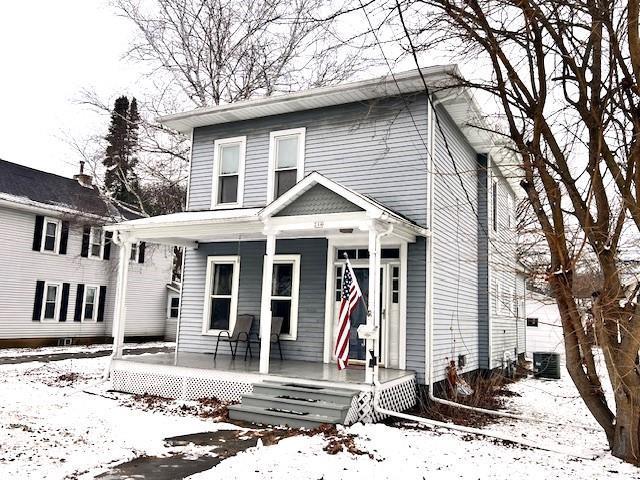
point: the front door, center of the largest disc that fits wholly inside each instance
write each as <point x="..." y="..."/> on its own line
<point x="357" y="347"/>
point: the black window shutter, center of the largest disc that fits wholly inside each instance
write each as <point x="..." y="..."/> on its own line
<point x="64" y="303"/>
<point x="86" y="231"/>
<point x="77" y="317"/>
<point x="37" y="234"/>
<point x="37" y="302"/>
<point x="64" y="238"/>
<point x="107" y="245"/>
<point x="141" y="250"/>
<point x="103" y="297"/>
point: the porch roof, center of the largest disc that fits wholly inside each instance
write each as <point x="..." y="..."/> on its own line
<point x="188" y="228"/>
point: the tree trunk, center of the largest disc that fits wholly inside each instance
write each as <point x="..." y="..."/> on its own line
<point x="626" y="437"/>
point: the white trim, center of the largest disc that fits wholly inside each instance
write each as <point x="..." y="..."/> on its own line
<point x="271" y="175"/>
<point x="56" y="312"/>
<point x="235" y="283"/>
<point x="96" y="302"/>
<point x="295" y="291"/>
<point x="102" y="237"/>
<point x="402" y="337"/>
<point x="215" y="181"/>
<point x="57" y="238"/>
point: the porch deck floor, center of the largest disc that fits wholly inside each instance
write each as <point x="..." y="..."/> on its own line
<point x="319" y="371"/>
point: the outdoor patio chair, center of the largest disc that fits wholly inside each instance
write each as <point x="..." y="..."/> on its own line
<point x="276" y="328"/>
<point x="240" y="333"/>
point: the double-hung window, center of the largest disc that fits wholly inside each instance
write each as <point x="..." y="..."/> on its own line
<point x="51" y="303"/>
<point x="286" y="161"/>
<point x="90" y="303"/>
<point x="221" y="296"/>
<point x="228" y="172"/>
<point x="285" y="288"/>
<point x="51" y="235"/>
<point x="134" y="251"/>
<point x="96" y="242"/>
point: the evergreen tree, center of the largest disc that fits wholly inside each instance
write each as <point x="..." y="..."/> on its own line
<point x="121" y="181"/>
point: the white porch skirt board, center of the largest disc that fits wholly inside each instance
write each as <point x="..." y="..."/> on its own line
<point x="192" y="384"/>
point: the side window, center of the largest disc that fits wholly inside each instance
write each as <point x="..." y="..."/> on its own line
<point x="286" y="161"/>
<point x="174" y="306"/>
<point x="494" y="205"/>
<point x="90" y="303"/>
<point x="96" y="242"/>
<point x="51" y="235"/>
<point x="532" y="322"/>
<point x="51" y="302"/>
<point x="228" y="171"/>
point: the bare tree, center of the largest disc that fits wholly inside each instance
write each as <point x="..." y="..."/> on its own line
<point x="566" y="77"/>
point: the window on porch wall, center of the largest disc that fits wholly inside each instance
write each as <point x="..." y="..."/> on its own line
<point x="285" y="287"/>
<point x="222" y="294"/>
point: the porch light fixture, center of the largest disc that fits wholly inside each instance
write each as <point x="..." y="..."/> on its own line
<point x="346" y="230"/>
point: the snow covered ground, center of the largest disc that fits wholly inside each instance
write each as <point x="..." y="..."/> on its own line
<point x="96" y="347"/>
<point x="52" y="428"/>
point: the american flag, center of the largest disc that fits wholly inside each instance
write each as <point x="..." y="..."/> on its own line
<point x="350" y="295"/>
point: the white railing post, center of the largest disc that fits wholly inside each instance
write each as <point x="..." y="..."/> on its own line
<point x="120" y="308"/>
<point x="374" y="283"/>
<point x="265" y="304"/>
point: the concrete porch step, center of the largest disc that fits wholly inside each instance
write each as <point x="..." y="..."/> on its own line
<point x="274" y="416"/>
<point x="331" y="395"/>
<point x="293" y="404"/>
<point x="287" y="402"/>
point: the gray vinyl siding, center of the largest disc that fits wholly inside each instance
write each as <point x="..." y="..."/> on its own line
<point x="416" y="296"/>
<point x="455" y="237"/>
<point x="309" y="344"/>
<point x="376" y="148"/>
<point x="502" y="263"/>
<point x="318" y="200"/>
<point x="22" y="267"/>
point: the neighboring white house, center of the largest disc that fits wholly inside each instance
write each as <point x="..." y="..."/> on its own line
<point x="544" y="329"/>
<point x="61" y="264"/>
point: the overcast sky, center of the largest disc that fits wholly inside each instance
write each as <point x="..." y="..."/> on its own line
<point x="49" y="52"/>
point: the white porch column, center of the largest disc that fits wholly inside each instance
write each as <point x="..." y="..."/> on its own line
<point x="371" y="367"/>
<point x="265" y="304"/>
<point x="120" y="309"/>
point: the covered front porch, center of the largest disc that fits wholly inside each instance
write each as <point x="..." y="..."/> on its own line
<point x="286" y="261"/>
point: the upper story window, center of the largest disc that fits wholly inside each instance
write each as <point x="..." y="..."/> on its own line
<point x="228" y="172"/>
<point x="286" y="161"/>
<point x="51" y="235"/>
<point x="511" y="220"/>
<point x="96" y="242"/>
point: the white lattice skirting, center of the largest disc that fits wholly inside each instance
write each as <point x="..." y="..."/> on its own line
<point x="192" y="384"/>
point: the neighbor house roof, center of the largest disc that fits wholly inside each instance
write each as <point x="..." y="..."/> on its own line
<point x="35" y="188"/>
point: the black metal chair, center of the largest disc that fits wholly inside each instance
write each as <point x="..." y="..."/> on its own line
<point x="276" y="328"/>
<point x="240" y="333"/>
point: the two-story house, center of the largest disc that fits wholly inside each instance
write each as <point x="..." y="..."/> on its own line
<point x="281" y="191"/>
<point x="58" y="264"/>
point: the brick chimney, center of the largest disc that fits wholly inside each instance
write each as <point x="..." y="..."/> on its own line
<point x="82" y="178"/>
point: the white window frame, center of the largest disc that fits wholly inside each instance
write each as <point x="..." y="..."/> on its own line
<point x="235" y="284"/>
<point x="495" y="205"/>
<point x="56" y="313"/>
<point x="136" y="258"/>
<point x="510" y="211"/>
<point x="171" y="297"/>
<point x="56" y="247"/>
<point x="215" y="185"/>
<point x="295" y="292"/>
<point x="96" y="302"/>
<point x="271" y="176"/>
<point x="102" y="237"/>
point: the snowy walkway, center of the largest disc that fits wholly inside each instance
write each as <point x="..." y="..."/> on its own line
<point x="51" y="428"/>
